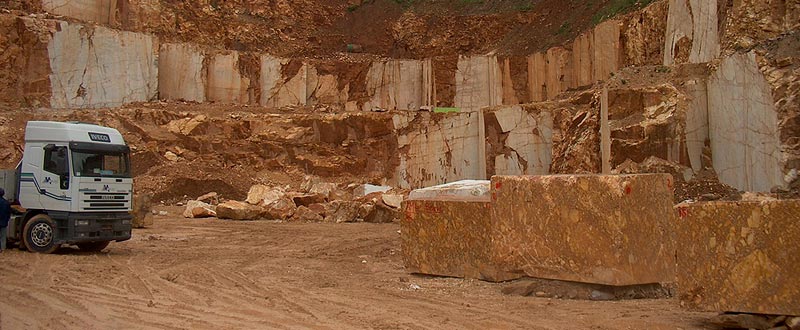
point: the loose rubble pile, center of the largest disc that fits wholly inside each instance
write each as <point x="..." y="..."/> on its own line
<point x="316" y="201"/>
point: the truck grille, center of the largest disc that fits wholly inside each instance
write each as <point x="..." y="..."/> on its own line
<point x="105" y="201"/>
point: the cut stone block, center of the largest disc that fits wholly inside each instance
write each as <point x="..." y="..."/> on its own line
<point x="445" y="236"/>
<point x="610" y="230"/>
<point x="604" y="229"/>
<point x="740" y="256"/>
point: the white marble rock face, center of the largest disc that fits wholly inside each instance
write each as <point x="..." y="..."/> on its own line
<point x="445" y="150"/>
<point x="96" y="67"/>
<point x="743" y="126"/>
<point x="180" y="73"/>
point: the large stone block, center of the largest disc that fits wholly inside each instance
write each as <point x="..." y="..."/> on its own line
<point x="740" y="256"/>
<point x="613" y="230"/>
<point x="582" y="58"/>
<point x="446" y="231"/>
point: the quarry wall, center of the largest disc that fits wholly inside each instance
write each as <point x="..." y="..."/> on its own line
<point x="732" y="110"/>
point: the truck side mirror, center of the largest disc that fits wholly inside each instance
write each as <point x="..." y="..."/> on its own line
<point x="64" y="182"/>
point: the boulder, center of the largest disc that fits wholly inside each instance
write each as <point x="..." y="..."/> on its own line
<point x="381" y="213"/>
<point x="306" y="214"/>
<point x="282" y="209"/>
<point x="342" y="211"/>
<point x="264" y="195"/>
<point x="198" y="209"/>
<point x="392" y="200"/>
<point x="324" y="188"/>
<point x="210" y="198"/>
<point x="236" y="210"/>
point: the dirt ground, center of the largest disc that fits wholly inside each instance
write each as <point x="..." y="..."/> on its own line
<point x="213" y="274"/>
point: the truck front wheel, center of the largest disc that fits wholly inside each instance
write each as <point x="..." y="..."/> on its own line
<point x="40" y="234"/>
<point x="93" y="246"/>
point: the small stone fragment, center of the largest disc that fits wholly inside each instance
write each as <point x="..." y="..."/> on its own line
<point x="601" y="295"/>
<point x="171" y="156"/>
<point x="198" y="209"/>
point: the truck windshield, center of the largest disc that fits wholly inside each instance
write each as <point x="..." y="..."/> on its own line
<point x="100" y="164"/>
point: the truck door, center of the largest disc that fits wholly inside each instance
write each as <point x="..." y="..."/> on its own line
<point x="55" y="180"/>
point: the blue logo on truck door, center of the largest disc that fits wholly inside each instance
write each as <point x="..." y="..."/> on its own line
<point x="99" y="137"/>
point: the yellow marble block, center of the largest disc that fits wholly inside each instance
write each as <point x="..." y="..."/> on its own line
<point x="740" y="256"/>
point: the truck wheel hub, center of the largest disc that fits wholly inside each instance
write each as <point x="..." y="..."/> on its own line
<point x="41" y="234"/>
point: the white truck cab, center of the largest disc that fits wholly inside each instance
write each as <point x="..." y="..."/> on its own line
<point x="74" y="181"/>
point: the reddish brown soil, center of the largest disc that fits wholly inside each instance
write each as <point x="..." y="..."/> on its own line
<point x="212" y="274"/>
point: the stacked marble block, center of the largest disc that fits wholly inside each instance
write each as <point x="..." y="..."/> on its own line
<point x="603" y="229"/>
<point x="740" y="256"/>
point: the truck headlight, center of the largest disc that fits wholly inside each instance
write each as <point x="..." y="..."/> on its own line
<point x="82" y="222"/>
<point x="126" y="222"/>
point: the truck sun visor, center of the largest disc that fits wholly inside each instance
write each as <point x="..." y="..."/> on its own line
<point x="102" y="147"/>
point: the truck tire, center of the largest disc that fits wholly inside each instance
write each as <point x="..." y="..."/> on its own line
<point x="93" y="246"/>
<point x="40" y="234"/>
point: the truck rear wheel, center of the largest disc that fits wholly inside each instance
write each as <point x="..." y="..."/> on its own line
<point x="93" y="246"/>
<point x="40" y="234"/>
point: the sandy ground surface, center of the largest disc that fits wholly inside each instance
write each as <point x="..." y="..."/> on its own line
<point x="213" y="274"/>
